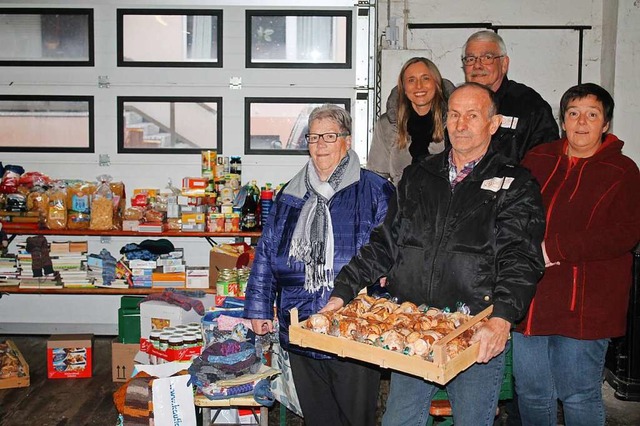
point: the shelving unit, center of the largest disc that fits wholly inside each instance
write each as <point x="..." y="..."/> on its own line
<point x="209" y="236"/>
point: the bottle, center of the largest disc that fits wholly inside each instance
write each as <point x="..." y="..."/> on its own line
<point x="266" y="201"/>
<point x="249" y="212"/>
<point x="248" y="221"/>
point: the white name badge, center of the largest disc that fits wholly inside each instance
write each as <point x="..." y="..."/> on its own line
<point x="509" y="122"/>
<point x="497" y="183"/>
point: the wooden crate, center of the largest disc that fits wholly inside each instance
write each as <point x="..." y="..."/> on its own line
<point x="18" y="381"/>
<point x="439" y="371"/>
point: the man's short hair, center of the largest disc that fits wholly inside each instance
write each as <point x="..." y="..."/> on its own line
<point x="493" y="108"/>
<point x="583" y="90"/>
<point x="486" y="35"/>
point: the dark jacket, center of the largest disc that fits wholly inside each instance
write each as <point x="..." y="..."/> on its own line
<point x="355" y="211"/>
<point x="593" y="223"/>
<point x="473" y="245"/>
<point x="527" y="120"/>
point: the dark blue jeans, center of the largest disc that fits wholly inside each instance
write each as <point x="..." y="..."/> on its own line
<point x="548" y="368"/>
<point x="473" y="395"/>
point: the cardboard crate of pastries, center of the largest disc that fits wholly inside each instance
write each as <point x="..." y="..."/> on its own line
<point x="432" y="344"/>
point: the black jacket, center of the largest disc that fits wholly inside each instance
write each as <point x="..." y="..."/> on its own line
<point x="478" y="245"/>
<point x="527" y="120"/>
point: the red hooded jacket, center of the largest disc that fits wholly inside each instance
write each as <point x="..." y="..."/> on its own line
<point x="593" y="223"/>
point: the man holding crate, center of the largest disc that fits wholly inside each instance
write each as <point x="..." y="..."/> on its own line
<point x="465" y="226"/>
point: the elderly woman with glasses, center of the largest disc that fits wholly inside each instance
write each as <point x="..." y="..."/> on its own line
<point x="320" y="220"/>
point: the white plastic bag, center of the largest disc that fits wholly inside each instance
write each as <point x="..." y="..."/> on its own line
<point x="173" y="403"/>
<point x="282" y="386"/>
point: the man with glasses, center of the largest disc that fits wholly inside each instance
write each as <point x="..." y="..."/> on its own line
<point x="527" y="119"/>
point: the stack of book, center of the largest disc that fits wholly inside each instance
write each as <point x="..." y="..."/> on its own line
<point x="9" y="272"/>
<point x="46" y="282"/>
<point x="69" y="258"/>
<point x="171" y="270"/>
<point x="141" y="271"/>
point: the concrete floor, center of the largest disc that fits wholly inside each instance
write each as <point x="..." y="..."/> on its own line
<point x="620" y="413"/>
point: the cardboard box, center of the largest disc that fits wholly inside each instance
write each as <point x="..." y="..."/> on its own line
<point x="186" y="354"/>
<point x="19" y="378"/>
<point x="228" y="259"/>
<point x="197" y="277"/>
<point x="440" y="371"/>
<point x="70" y="356"/>
<point x="159" y="314"/>
<point x="122" y="360"/>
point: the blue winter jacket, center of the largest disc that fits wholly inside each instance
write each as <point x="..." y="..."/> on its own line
<point x="355" y="211"/>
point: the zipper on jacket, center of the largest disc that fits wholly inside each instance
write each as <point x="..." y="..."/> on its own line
<point x="435" y="255"/>
<point x="527" y="328"/>
<point x="574" y="289"/>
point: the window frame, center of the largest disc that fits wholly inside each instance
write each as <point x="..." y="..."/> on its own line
<point x="348" y="14"/>
<point x="90" y="62"/>
<point x="90" y="148"/>
<point x="166" y="99"/>
<point x="248" y="101"/>
<point x="121" y="12"/>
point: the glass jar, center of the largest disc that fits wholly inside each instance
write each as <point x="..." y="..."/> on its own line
<point x="164" y="341"/>
<point x="176" y="342"/>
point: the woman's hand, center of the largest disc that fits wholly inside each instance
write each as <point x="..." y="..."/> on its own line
<point x="262" y="326"/>
<point x="333" y="304"/>
<point x="547" y="262"/>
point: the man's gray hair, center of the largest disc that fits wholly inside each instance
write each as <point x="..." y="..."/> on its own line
<point x="486" y="35"/>
<point x="332" y="112"/>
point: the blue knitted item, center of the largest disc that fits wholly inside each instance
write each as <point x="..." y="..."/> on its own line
<point x="108" y="267"/>
<point x="262" y="393"/>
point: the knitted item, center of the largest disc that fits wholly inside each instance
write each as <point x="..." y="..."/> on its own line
<point x="173" y="298"/>
<point x="108" y="267"/>
<point x="133" y="251"/>
<point x="38" y="247"/>
<point x="262" y="393"/>
<point x="134" y="400"/>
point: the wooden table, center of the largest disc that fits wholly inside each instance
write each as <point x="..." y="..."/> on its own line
<point x="217" y="405"/>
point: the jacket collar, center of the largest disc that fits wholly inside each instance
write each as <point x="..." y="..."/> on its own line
<point x="489" y="164"/>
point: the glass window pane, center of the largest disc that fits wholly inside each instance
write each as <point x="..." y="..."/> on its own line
<point x="46" y="36"/>
<point x="278" y="125"/>
<point x="170" y="125"/>
<point x="170" y="38"/>
<point x="54" y="123"/>
<point x="296" y="39"/>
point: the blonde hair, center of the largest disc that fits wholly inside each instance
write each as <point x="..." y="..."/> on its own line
<point x="438" y="105"/>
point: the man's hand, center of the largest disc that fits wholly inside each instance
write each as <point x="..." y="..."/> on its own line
<point x="493" y="336"/>
<point x="333" y="304"/>
<point x="262" y="326"/>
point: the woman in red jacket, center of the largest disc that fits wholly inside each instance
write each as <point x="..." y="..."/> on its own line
<point x="591" y="196"/>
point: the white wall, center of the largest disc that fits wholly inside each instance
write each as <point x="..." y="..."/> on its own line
<point x="544" y="60"/>
<point x="627" y="86"/>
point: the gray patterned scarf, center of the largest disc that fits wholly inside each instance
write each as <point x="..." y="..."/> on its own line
<point x="312" y="241"/>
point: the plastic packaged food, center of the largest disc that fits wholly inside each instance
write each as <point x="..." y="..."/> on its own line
<point x="57" y="211"/>
<point x="102" y="205"/>
<point x="38" y="199"/>
<point x="78" y="204"/>
<point x="134" y="213"/>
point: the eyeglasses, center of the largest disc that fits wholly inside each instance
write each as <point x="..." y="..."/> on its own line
<point x="329" y="137"/>
<point x="486" y="59"/>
